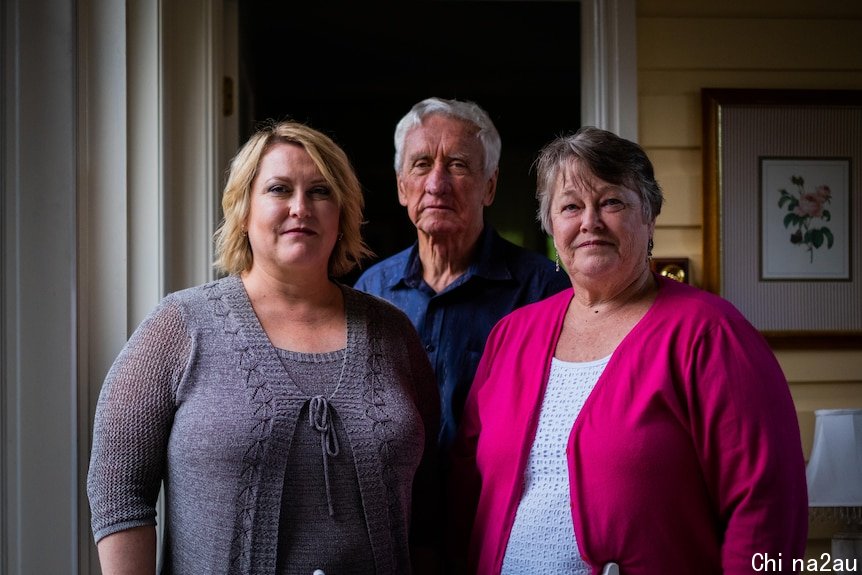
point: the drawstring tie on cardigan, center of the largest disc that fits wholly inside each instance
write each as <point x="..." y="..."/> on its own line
<point x="320" y="418"/>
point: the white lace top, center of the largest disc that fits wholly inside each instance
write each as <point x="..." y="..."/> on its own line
<point x="543" y="538"/>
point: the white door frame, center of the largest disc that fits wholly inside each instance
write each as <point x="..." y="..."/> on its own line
<point x="112" y="153"/>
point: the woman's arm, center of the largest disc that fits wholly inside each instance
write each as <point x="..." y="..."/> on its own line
<point x="131" y="431"/>
<point x="751" y="447"/>
<point x="129" y="552"/>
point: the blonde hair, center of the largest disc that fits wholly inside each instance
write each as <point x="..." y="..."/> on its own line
<point x="233" y="251"/>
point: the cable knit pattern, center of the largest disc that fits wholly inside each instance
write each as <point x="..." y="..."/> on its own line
<point x="260" y="398"/>
<point x="375" y="409"/>
<point x="200" y="399"/>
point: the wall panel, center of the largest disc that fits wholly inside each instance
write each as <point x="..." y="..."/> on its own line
<point x="684" y="46"/>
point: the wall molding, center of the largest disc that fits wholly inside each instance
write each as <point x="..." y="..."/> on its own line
<point x="609" y="66"/>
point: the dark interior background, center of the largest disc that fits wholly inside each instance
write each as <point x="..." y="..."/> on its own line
<point x="353" y="70"/>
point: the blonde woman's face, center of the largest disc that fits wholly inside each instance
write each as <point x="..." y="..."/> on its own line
<point x="293" y="219"/>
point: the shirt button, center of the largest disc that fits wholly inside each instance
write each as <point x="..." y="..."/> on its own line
<point x="429" y="347"/>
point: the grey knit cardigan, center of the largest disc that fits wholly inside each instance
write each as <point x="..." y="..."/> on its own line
<point x="198" y="398"/>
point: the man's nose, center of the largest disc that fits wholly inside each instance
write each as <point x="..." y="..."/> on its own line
<point x="438" y="181"/>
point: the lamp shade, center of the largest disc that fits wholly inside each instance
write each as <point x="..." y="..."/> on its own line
<point x="834" y="471"/>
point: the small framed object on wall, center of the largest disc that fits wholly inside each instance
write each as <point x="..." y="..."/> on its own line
<point x="673" y="268"/>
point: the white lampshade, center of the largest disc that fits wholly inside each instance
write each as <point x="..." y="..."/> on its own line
<point x="834" y="471"/>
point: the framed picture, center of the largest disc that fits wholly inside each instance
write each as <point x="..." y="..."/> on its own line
<point x="804" y="207"/>
<point x="783" y="211"/>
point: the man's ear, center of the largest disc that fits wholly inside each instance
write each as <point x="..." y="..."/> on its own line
<point x="490" y="189"/>
<point x="402" y="195"/>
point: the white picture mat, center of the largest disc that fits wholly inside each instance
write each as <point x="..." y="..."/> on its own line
<point x="748" y="133"/>
<point x="782" y="259"/>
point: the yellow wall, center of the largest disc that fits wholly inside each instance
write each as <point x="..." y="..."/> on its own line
<point x="686" y="45"/>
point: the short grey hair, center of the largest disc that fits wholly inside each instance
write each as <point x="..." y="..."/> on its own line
<point x="460" y="110"/>
<point x="613" y="159"/>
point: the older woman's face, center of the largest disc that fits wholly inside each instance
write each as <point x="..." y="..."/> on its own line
<point x="599" y="229"/>
<point x="293" y="217"/>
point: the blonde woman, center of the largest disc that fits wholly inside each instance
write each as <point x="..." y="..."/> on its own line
<point x="290" y="417"/>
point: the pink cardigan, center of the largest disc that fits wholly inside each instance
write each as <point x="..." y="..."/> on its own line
<point x="686" y="457"/>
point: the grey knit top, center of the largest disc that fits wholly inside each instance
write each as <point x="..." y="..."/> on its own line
<point x="199" y="399"/>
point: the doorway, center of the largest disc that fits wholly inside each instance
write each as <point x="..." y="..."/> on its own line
<point x="352" y="72"/>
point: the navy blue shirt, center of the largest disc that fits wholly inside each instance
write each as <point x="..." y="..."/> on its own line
<point x="455" y="323"/>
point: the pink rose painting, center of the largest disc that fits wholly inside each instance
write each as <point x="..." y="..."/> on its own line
<point x="806" y="212"/>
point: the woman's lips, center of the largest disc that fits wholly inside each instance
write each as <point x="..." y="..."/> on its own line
<point x="300" y="231"/>
<point x="594" y="243"/>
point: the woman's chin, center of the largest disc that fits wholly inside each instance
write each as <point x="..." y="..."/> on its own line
<point x="597" y="267"/>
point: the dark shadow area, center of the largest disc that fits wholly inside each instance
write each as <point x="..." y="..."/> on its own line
<point x="353" y="70"/>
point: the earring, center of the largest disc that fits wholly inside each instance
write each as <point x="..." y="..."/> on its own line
<point x="649" y="249"/>
<point x="340" y="236"/>
<point x="557" y="260"/>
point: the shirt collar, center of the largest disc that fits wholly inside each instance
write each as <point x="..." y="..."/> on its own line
<point x="489" y="262"/>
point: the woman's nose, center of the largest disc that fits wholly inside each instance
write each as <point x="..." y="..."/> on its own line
<point x="299" y="205"/>
<point x="591" y="218"/>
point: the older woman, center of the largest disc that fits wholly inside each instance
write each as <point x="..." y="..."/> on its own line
<point x="632" y="420"/>
<point x="289" y="416"/>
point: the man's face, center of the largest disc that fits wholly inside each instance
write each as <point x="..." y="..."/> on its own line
<point x="442" y="182"/>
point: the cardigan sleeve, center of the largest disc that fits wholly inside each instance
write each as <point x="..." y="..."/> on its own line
<point x="746" y="431"/>
<point x="500" y="416"/>
<point x="132" y="423"/>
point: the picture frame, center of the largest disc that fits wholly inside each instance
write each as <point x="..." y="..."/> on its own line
<point x="782" y="211"/>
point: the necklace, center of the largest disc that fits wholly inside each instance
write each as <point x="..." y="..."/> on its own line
<point x="320" y="418"/>
<point x="633" y="295"/>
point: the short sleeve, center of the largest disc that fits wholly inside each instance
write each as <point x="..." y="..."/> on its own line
<point x="132" y="423"/>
